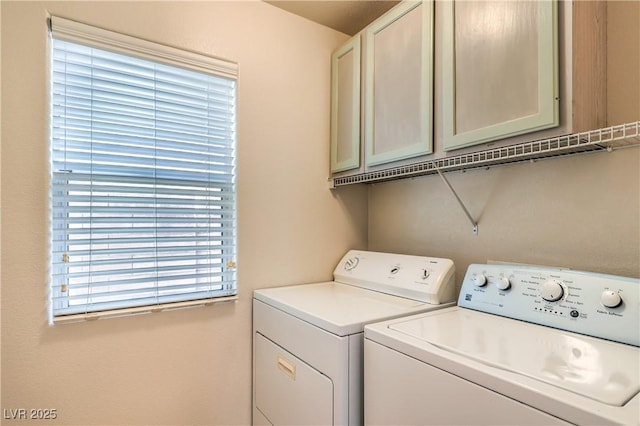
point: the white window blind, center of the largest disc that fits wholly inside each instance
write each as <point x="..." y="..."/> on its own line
<point x="142" y="175"/>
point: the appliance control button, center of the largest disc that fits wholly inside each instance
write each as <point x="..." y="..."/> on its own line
<point x="503" y="283"/>
<point x="551" y="290"/>
<point x="610" y="299"/>
<point x="351" y="263"/>
<point x="479" y="280"/>
<point x="574" y="313"/>
<point x="425" y="274"/>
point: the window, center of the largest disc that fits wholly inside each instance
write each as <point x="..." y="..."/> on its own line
<point x="142" y="175"/>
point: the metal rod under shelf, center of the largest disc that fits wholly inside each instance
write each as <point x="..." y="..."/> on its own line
<point x="455" y="194"/>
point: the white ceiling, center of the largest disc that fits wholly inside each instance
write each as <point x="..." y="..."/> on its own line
<point x="347" y="16"/>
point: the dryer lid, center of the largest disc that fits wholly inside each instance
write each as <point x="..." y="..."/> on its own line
<point x="338" y="308"/>
<point x="601" y="370"/>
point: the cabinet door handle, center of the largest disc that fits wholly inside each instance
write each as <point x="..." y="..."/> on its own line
<point x="287" y="367"/>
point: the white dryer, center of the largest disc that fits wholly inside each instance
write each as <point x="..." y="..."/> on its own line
<point x="308" y="339"/>
<point x="525" y="345"/>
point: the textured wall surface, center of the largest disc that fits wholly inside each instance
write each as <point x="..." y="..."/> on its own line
<point x="191" y="366"/>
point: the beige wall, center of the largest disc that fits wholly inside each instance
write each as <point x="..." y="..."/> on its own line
<point x="191" y="366"/>
<point x="581" y="212"/>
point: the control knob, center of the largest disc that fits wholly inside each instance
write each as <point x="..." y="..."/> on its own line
<point x="610" y="299"/>
<point x="551" y="290"/>
<point x="503" y="283"/>
<point x="479" y="280"/>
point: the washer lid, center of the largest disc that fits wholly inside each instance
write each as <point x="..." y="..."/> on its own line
<point x="339" y="308"/>
<point x="598" y="369"/>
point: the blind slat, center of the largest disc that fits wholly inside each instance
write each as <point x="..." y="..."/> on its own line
<point x="201" y="258"/>
<point x="143" y="178"/>
<point x="144" y="283"/>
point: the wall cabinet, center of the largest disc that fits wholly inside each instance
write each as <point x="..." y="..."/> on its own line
<point x="457" y="77"/>
<point x="498" y="118"/>
<point x="345" y="106"/>
<point x="500" y="69"/>
<point x="395" y="85"/>
<point x="398" y="85"/>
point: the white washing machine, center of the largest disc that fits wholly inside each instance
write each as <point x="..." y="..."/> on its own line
<point x="525" y="345"/>
<point x="308" y="339"/>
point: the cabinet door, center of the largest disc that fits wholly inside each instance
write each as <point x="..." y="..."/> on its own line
<point x="500" y="69"/>
<point x="345" y="106"/>
<point x="399" y="84"/>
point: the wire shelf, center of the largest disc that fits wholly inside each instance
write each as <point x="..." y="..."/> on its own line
<point x="605" y="139"/>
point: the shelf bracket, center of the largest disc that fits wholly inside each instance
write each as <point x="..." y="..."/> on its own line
<point x="455" y="194"/>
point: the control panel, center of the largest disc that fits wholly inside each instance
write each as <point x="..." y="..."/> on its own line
<point x="426" y="279"/>
<point x="604" y="306"/>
